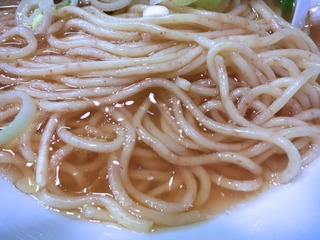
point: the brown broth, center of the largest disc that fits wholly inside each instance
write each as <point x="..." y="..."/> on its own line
<point x="94" y="179"/>
<point x="315" y="34"/>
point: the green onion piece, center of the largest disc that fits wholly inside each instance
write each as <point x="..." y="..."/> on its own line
<point x="287" y="7"/>
<point x="183" y="2"/>
<point x="213" y="5"/>
<point x="63" y="4"/>
<point x="37" y="20"/>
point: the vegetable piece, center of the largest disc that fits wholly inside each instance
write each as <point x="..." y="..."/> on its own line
<point x="213" y="5"/>
<point x="287" y="7"/>
<point x="35" y="14"/>
<point x="210" y="5"/>
<point x="36" y="21"/>
<point x="183" y="2"/>
<point x="22" y="120"/>
<point x="67" y="3"/>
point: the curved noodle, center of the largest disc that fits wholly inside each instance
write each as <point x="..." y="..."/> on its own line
<point x="15" y="53"/>
<point x="29" y="11"/>
<point x="23" y="119"/>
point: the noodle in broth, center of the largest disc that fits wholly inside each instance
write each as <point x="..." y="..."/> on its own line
<point x="140" y="120"/>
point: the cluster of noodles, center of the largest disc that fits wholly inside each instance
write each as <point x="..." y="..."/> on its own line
<point x="137" y="120"/>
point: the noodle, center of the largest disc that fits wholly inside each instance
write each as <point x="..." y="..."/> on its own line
<point x="142" y="120"/>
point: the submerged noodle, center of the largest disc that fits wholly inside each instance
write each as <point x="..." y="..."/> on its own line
<point x="138" y="120"/>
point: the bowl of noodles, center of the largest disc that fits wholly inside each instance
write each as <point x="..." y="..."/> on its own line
<point x="152" y="119"/>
